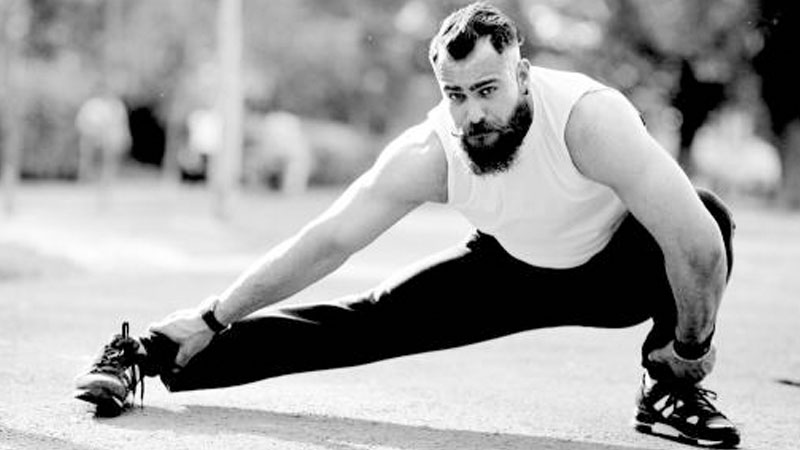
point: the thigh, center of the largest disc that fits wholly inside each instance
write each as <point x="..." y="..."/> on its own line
<point x="467" y="294"/>
<point x="627" y="280"/>
<point x="479" y="292"/>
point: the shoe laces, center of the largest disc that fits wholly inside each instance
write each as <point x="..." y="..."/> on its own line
<point x="696" y="397"/>
<point x="118" y="356"/>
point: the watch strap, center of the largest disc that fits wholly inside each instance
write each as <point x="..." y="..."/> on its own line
<point x="695" y="350"/>
<point x="211" y="320"/>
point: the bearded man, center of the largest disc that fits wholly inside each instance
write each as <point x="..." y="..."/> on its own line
<point x="580" y="218"/>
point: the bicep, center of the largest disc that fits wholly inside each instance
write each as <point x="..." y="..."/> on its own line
<point x="360" y="215"/>
<point x="408" y="173"/>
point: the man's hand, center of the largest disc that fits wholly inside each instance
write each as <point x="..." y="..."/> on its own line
<point x="188" y="330"/>
<point x="684" y="369"/>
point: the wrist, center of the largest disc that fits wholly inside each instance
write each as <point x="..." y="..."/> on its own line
<point x="210" y="319"/>
<point x="694" y="349"/>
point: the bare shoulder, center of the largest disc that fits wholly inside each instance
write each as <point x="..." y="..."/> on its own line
<point x="607" y="139"/>
<point x="602" y="114"/>
<point x="609" y="143"/>
<point x="412" y="167"/>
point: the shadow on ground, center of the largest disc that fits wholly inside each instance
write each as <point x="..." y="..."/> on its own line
<point x="337" y="433"/>
<point x="788" y="382"/>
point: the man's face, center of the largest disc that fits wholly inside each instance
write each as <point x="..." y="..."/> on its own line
<point x="486" y="94"/>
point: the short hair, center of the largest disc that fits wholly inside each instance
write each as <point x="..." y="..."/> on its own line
<point x="462" y="29"/>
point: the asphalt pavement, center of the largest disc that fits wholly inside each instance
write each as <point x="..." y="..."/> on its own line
<point x="72" y="268"/>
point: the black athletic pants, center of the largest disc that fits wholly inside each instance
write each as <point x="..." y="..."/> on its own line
<point x="470" y="293"/>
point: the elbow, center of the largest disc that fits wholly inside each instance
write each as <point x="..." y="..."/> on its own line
<point x="708" y="259"/>
<point x="712" y="263"/>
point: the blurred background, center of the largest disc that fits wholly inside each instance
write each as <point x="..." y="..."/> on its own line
<point x="129" y="128"/>
<point x="281" y="95"/>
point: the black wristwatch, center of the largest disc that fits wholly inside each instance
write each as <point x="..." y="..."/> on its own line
<point x="694" y="350"/>
<point x="211" y="320"/>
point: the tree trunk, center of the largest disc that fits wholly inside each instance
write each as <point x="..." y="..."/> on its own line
<point x="170" y="169"/>
<point x="10" y="109"/>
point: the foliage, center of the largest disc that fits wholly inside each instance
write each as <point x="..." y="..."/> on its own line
<point x="360" y="62"/>
<point x="779" y="24"/>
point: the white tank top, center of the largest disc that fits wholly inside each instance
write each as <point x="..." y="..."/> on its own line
<point x="542" y="210"/>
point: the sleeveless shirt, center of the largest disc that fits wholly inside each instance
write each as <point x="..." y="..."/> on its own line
<point x="542" y="210"/>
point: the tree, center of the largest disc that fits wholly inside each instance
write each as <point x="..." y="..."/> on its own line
<point x="779" y="24"/>
<point x="701" y="51"/>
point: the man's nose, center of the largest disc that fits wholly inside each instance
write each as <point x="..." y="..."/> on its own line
<point x="474" y="112"/>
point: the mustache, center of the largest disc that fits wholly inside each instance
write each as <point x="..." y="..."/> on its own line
<point x="481" y="127"/>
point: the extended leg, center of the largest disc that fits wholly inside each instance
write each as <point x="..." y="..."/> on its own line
<point x="465" y="295"/>
<point x="457" y="297"/>
<point x="471" y="293"/>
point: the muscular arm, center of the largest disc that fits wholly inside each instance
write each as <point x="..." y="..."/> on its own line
<point x="409" y="172"/>
<point x="610" y="145"/>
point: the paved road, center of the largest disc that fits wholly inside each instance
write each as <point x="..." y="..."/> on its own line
<point x="70" y="274"/>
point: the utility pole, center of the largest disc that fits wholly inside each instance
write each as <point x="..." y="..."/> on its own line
<point x="109" y="159"/>
<point x="226" y="164"/>
<point x="14" y="28"/>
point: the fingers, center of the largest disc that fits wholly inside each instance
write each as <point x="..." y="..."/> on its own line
<point x="685" y="369"/>
<point x="183" y="357"/>
<point x="187" y="329"/>
<point x="192" y="347"/>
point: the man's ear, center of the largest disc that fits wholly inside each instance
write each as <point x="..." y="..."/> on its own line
<point x="523" y="74"/>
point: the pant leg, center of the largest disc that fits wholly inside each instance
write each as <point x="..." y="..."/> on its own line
<point x="436" y="304"/>
<point x="468" y="294"/>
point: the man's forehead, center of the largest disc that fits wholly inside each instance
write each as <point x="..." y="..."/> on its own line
<point x="482" y="64"/>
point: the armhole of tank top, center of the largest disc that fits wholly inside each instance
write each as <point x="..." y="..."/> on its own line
<point x="450" y="173"/>
<point x="437" y="123"/>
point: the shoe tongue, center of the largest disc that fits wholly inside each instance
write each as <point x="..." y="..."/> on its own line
<point x="123" y="347"/>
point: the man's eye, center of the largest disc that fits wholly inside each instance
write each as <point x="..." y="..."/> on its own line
<point x="487" y="91"/>
<point x="456" y="97"/>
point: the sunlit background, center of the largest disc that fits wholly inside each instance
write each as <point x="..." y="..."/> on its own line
<point x="285" y="95"/>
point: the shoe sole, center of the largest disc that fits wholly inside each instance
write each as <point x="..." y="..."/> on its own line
<point x="107" y="404"/>
<point x="664" y="430"/>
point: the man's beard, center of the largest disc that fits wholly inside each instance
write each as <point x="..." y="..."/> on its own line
<point x="496" y="157"/>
